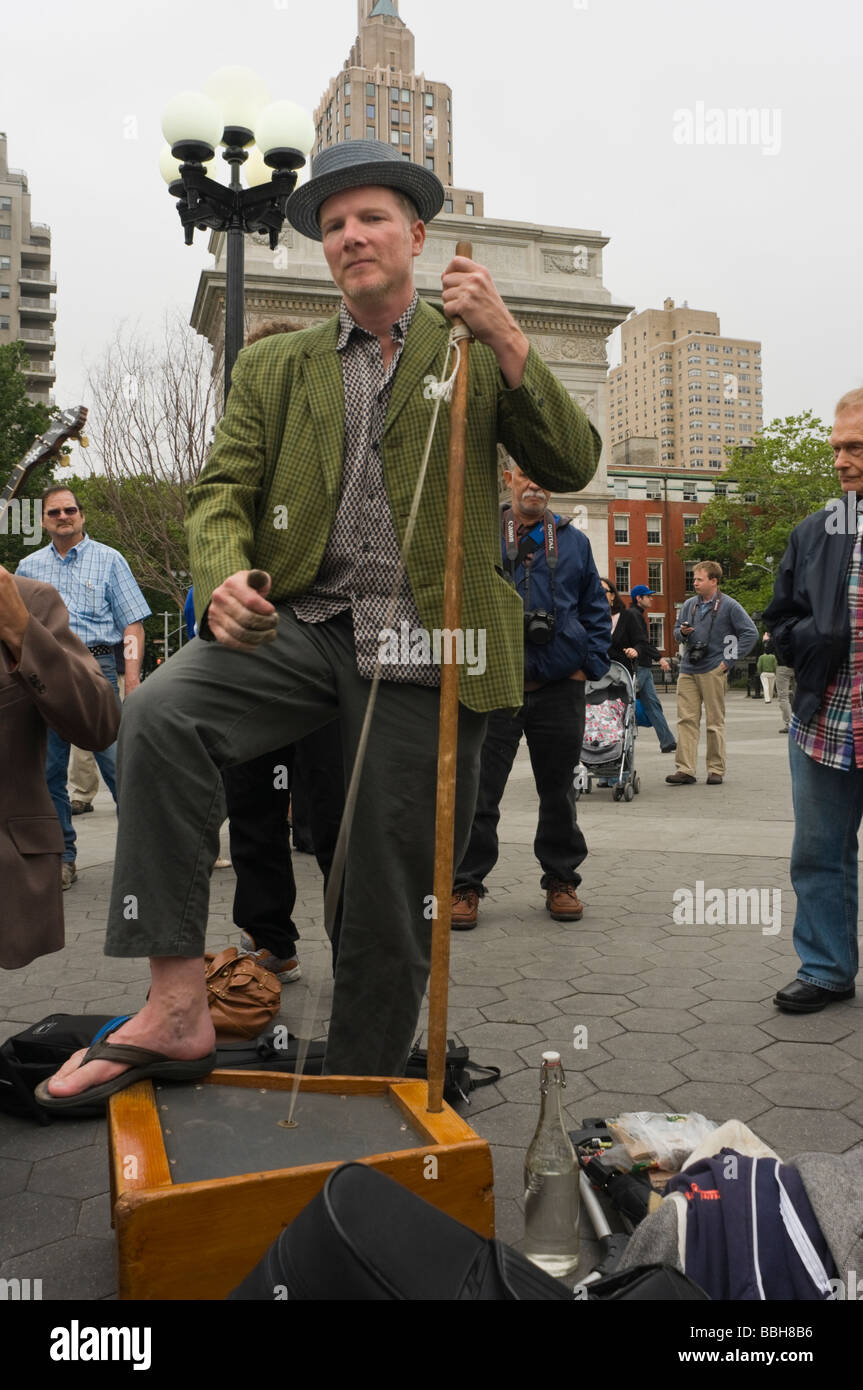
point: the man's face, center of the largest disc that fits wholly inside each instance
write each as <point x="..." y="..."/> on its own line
<point x="704" y="586"/>
<point x="644" y="601"/>
<point x="369" y="244"/>
<point x="528" y="498"/>
<point x="846" y="441"/>
<point x="61" y="518"/>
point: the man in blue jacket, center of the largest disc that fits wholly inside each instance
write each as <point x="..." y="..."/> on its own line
<point x="567" y="631"/>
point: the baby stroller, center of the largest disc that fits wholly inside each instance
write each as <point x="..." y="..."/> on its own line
<point x="610" y="731"/>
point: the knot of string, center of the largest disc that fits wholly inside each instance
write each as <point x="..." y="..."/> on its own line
<point x="442" y="390"/>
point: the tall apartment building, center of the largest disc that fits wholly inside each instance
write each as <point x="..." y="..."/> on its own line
<point x="684" y="384"/>
<point x="379" y="96"/>
<point x="27" y="309"/>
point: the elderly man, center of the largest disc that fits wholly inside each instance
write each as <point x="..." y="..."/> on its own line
<point x="717" y="631"/>
<point x="105" y="607"/>
<point x="48" y="682"/>
<point x="815" y="620"/>
<point x="311" y="477"/>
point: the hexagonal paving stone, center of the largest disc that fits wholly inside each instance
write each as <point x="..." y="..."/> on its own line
<point x="520" y="1011"/>
<point x="656" y="1020"/>
<point x="606" y="1104"/>
<point x="663" y="1046"/>
<point x="473" y="996"/>
<point x="24" y="1139"/>
<point x="511" y="1124"/>
<point x="738" y="970"/>
<point x="523" y="1086"/>
<point x="80" y="1173"/>
<point x="808" y="1089"/>
<point x="30" y="1220"/>
<point x="84" y="1265"/>
<point x="548" y="970"/>
<point x="618" y="965"/>
<point x="596" y="1029"/>
<point x="714" y="1037"/>
<point x="488" y="974"/>
<point x="599" y="1004"/>
<point x="751" y="990"/>
<point x="800" y="1057"/>
<point x="629" y="1074"/>
<point x="855" y="1110"/>
<point x="652" y="997"/>
<point x="95" y="1217"/>
<point x="14" y="1174"/>
<point x="733" y="1011"/>
<point x="719" y="1101"/>
<point x="853" y="1044"/>
<point x="729" y="1067"/>
<point x="512" y="1036"/>
<point x="672" y="978"/>
<point x="607" y="984"/>
<point x="791" y="1132"/>
<point x="826" y="1027"/>
<point x="551" y="990"/>
<point x="574" y="1059"/>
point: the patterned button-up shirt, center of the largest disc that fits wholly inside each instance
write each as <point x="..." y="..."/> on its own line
<point x="834" y="735"/>
<point x="361" y="559"/>
<point x="96" y="585"/>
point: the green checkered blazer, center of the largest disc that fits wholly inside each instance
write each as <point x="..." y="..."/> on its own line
<point x="277" y="457"/>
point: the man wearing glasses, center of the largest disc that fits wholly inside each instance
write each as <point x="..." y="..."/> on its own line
<point x="105" y="607"/>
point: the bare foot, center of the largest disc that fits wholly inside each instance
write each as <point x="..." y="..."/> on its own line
<point x="183" y="1036"/>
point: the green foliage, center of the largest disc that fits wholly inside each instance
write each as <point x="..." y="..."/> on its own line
<point x="786" y="475"/>
<point x="20" y="422"/>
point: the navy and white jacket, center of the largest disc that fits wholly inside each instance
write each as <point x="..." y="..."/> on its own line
<point x="582" y="620"/>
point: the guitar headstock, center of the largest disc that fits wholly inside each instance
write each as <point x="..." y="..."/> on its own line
<point x="67" y="426"/>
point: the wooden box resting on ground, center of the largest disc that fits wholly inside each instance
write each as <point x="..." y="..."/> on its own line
<point x="205" y="1176"/>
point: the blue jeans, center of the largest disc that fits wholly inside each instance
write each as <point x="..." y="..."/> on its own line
<point x="828" y="807"/>
<point x="57" y="768"/>
<point x="652" y="708"/>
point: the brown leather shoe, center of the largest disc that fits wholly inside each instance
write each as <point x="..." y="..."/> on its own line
<point x="680" y="779"/>
<point x="465" y="908"/>
<point x="562" y="901"/>
<point x="713" y="779"/>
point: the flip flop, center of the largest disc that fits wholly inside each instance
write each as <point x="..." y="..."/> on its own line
<point x="143" y="1064"/>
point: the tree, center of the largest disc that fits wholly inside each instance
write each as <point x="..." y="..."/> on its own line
<point x="152" y="411"/>
<point x="786" y="475"/>
<point x="21" y="420"/>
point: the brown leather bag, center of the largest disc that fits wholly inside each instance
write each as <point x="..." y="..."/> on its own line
<point x="244" y="998"/>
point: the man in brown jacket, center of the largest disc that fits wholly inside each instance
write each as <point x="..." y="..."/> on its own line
<point x="47" y="679"/>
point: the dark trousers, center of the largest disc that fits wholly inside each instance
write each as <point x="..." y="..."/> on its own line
<point x="318" y="795"/>
<point x="552" y="721"/>
<point x="209" y="708"/>
<point x="257" y="795"/>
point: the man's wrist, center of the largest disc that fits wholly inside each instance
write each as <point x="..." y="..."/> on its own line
<point x="512" y="354"/>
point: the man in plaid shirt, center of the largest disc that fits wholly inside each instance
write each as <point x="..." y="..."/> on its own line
<point x="310" y="478"/>
<point x="816" y="621"/>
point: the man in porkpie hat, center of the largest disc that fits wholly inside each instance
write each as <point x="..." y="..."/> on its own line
<point x="311" y="478"/>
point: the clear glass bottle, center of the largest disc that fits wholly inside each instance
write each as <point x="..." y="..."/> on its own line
<point x="551" y="1197"/>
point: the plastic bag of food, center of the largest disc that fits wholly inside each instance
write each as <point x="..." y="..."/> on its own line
<point x="660" y="1141"/>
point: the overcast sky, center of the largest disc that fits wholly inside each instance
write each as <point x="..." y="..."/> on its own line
<point x="566" y="112"/>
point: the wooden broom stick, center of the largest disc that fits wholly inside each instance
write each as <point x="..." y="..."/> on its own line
<point x="448" y="729"/>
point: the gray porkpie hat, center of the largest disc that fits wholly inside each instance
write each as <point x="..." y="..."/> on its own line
<point x="353" y="163"/>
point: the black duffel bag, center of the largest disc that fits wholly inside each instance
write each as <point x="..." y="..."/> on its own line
<point x="365" y="1238"/>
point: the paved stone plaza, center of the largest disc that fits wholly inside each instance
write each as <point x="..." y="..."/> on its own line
<point x="676" y="1016"/>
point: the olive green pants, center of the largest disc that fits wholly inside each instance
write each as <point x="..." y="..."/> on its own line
<point x="208" y="708"/>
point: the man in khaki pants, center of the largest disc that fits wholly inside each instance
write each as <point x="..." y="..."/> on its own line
<point x="717" y="631"/>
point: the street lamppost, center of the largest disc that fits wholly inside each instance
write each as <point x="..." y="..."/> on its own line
<point x="275" y="137"/>
<point x="768" y="568"/>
